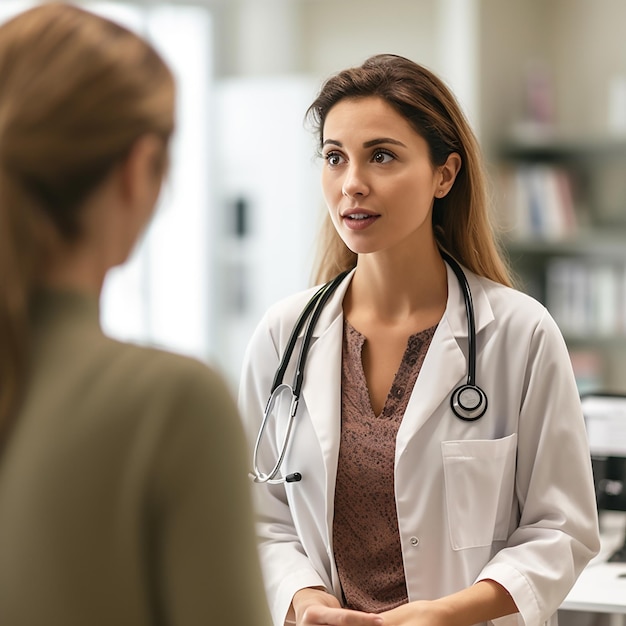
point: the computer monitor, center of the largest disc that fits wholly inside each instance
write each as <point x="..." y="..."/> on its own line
<point x="605" y="420"/>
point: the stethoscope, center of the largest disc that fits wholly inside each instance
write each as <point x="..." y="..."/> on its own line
<point x="468" y="401"/>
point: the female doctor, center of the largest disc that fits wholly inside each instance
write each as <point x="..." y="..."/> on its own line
<point x="415" y="486"/>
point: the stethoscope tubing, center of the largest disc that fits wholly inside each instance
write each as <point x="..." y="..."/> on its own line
<point x="469" y="312"/>
<point x="311" y="312"/>
<point x="468" y="402"/>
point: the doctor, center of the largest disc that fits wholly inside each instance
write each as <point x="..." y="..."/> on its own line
<point x="396" y="510"/>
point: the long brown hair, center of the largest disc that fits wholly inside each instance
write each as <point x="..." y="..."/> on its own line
<point x="461" y="219"/>
<point x="76" y="92"/>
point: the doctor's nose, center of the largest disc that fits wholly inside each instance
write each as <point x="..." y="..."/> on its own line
<point x="354" y="184"/>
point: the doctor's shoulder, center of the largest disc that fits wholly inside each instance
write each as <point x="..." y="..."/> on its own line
<point x="279" y="319"/>
<point x="524" y="313"/>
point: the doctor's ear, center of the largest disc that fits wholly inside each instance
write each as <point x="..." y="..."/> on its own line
<point x="448" y="172"/>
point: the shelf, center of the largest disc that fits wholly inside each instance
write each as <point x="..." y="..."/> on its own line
<point x="606" y="342"/>
<point x="599" y="244"/>
<point x="563" y="149"/>
<point x="565" y="201"/>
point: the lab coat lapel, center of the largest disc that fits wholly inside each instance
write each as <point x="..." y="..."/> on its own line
<point x="322" y="386"/>
<point x="445" y="365"/>
<point x="442" y="370"/>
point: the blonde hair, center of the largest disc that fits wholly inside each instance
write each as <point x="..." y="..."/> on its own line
<point x="76" y="92"/>
<point x="461" y="219"/>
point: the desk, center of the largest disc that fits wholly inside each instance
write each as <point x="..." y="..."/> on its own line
<point x="601" y="588"/>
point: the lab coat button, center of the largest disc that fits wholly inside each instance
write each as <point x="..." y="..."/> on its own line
<point x="414" y="541"/>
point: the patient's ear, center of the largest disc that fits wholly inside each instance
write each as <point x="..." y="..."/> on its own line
<point x="141" y="174"/>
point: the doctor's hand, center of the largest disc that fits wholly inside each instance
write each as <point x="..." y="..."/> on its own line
<point x="417" y="613"/>
<point x="317" y="607"/>
<point x="484" y="601"/>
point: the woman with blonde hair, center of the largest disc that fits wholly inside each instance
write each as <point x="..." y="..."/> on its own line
<point x="123" y="497"/>
<point x="423" y="458"/>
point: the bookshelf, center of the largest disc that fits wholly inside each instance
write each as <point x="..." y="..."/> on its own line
<point x="562" y="205"/>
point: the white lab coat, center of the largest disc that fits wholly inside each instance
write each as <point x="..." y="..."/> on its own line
<point x="509" y="497"/>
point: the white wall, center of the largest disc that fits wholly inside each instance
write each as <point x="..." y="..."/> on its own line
<point x="589" y="54"/>
<point x="265" y="161"/>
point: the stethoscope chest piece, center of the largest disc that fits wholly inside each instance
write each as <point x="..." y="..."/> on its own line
<point x="468" y="402"/>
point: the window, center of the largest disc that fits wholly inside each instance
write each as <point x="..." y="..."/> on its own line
<point x="161" y="296"/>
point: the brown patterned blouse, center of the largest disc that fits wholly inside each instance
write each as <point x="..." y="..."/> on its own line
<point x="366" y="539"/>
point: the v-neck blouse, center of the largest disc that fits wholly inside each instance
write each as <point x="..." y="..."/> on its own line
<point x="366" y="540"/>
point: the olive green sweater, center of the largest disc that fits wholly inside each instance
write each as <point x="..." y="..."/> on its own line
<point x="124" y="499"/>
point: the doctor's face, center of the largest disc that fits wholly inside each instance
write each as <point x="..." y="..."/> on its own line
<point x="378" y="179"/>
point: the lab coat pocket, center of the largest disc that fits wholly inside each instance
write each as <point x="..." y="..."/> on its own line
<point x="479" y="481"/>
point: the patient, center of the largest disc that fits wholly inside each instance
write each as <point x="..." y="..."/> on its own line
<point x="123" y="491"/>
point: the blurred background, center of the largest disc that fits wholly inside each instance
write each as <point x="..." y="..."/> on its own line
<point x="543" y="83"/>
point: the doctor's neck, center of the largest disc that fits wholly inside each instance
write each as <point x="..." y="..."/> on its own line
<point x="393" y="290"/>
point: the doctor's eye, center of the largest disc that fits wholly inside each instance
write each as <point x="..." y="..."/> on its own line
<point x="383" y="156"/>
<point x="333" y="158"/>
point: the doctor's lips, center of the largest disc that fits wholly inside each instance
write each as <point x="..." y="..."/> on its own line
<point x="357" y="219"/>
